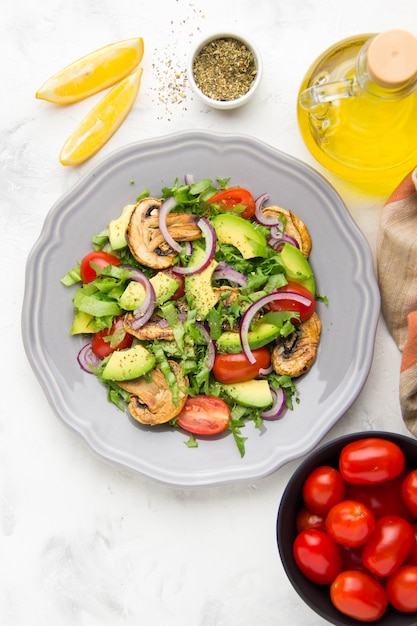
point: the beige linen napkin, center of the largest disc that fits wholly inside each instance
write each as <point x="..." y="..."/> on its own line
<point x="397" y="278"/>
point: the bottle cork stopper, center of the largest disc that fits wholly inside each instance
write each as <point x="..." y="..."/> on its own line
<point x="392" y="58"/>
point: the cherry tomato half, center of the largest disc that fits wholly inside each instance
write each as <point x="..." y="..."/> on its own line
<point x="291" y="305"/>
<point x="409" y="492"/>
<point x="111" y="339"/>
<point x="235" y="200"/>
<point x="350" y="523"/>
<point x="323" y="488"/>
<point x="235" y="368"/>
<point x="317" y="556"/>
<point x="382" y="498"/>
<point x="389" y="545"/>
<point x="101" y="259"/>
<point x="371" y="460"/>
<point x="401" y="589"/>
<point x="204" y="415"/>
<point x="359" y="595"/>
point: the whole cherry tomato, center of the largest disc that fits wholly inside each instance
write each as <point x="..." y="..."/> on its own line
<point x="352" y="559"/>
<point x="389" y="545"/>
<point x="305" y="311"/>
<point x="359" y="595"/>
<point x="412" y="556"/>
<point x="323" y="488"/>
<point x="401" y="589"/>
<point x="382" y="498"/>
<point x="409" y="492"/>
<point x="371" y="460"/>
<point x="306" y="520"/>
<point x="236" y="200"/>
<point x="235" y="368"/>
<point x="317" y="556"/>
<point x="99" y="258"/>
<point x="109" y="340"/>
<point x="350" y="523"/>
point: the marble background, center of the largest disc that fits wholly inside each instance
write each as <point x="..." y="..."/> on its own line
<point x="84" y="542"/>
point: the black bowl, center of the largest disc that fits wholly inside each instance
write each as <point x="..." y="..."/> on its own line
<point x="318" y="596"/>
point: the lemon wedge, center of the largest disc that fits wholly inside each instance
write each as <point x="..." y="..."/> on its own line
<point x="92" y="73"/>
<point x="102" y="121"/>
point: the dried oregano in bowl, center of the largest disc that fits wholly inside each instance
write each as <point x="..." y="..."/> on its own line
<point x="225" y="70"/>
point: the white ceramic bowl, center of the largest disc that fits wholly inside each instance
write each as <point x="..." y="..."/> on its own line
<point x="226" y="104"/>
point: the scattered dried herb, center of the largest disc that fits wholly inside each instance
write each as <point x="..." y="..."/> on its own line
<point x="224" y="69"/>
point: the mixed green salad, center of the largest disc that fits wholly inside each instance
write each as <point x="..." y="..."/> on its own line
<point x="198" y="308"/>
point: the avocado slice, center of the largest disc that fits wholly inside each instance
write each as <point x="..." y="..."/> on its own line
<point x="128" y="364"/>
<point x="229" y="341"/>
<point x="252" y="393"/>
<point x="241" y="233"/>
<point x="118" y="227"/>
<point x="164" y="286"/>
<point x="82" y="323"/>
<point x="296" y="267"/>
<point x="200" y="293"/>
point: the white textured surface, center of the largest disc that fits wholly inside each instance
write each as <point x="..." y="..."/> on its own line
<point x="84" y="542"/>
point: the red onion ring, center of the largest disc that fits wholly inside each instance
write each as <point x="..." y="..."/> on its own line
<point x="189" y="179"/>
<point x="167" y="206"/>
<point x="277" y="230"/>
<point x="264" y="371"/>
<point x="278" y="406"/>
<point x="254" y="308"/>
<point x="146" y="309"/>
<point x="223" y="270"/>
<point x="259" y="214"/>
<point x="87" y="359"/>
<point x="209" y="235"/>
<point x="188" y="247"/>
<point x="277" y="240"/>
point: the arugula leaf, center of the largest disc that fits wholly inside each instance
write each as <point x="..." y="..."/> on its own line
<point x="237" y="422"/>
<point x="321" y="298"/>
<point x="191" y="442"/>
<point x="281" y="319"/>
<point x="196" y="189"/>
<point x="145" y="194"/>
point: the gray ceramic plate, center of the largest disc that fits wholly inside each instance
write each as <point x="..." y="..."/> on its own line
<point x="344" y="272"/>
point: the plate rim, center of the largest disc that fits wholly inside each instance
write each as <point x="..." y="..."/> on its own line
<point x="117" y="159"/>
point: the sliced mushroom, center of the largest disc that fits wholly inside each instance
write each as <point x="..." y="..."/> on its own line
<point x="153" y="330"/>
<point x="151" y="399"/>
<point x="145" y="239"/>
<point x="227" y="294"/>
<point x="294" y="227"/>
<point x="295" y="354"/>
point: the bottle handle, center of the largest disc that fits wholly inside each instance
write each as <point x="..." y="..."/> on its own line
<point x="320" y="94"/>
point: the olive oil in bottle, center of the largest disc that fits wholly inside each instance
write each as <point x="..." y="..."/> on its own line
<point x="357" y="109"/>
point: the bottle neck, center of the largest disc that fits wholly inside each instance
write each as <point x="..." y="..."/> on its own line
<point x="376" y="66"/>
